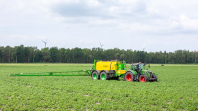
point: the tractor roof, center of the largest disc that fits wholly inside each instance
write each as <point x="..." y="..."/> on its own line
<point x="136" y="63"/>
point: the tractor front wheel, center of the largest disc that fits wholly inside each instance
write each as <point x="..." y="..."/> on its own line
<point x="128" y="76"/>
<point x="95" y="75"/>
<point x="143" y="78"/>
<point x="104" y="76"/>
<point x="155" y="77"/>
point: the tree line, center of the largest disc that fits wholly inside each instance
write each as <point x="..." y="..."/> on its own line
<point x="22" y="54"/>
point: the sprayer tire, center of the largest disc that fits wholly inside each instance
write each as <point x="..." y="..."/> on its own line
<point x="104" y="76"/>
<point x="95" y="75"/>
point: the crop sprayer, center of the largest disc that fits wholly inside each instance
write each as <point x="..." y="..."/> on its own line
<point x="106" y="70"/>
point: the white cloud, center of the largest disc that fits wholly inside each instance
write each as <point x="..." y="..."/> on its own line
<point x="188" y="23"/>
<point x="93" y="3"/>
<point x="85" y="21"/>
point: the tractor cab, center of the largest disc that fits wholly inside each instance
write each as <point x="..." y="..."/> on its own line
<point x="137" y="66"/>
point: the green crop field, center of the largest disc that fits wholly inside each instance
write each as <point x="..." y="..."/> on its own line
<point x="176" y="89"/>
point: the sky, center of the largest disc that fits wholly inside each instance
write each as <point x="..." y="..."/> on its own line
<point x="152" y="25"/>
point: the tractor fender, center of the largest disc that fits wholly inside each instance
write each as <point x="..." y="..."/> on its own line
<point x="133" y="72"/>
<point x="130" y="72"/>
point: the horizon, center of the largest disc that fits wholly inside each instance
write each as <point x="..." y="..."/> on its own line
<point x="102" y="48"/>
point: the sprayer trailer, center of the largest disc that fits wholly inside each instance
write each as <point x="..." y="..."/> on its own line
<point x="106" y="70"/>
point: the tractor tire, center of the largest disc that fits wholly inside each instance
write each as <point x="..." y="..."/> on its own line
<point x="154" y="76"/>
<point x="95" y="75"/>
<point x="143" y="78"/>
<point x="128" y="76"/>
<point x="104" y="76"/>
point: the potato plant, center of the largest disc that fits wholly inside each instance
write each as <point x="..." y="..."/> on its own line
<point x="176" y="89"/>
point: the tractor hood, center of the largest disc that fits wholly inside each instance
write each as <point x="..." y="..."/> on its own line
<point x="147" y="72"/>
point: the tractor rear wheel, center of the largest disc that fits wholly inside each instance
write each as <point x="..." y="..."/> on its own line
<point x="143" y="78"/>
<point x="104" y="76"/>
<point x="95" y="75"/>
<point x="128" y="76"/>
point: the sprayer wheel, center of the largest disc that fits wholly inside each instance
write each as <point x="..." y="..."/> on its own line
<point x="95" y="75"/>
<point x="104" y="76"/>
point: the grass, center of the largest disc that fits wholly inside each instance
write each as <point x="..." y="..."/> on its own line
<point x="176" y="89"/>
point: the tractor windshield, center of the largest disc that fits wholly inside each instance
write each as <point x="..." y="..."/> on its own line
<point x="141" y="66"/>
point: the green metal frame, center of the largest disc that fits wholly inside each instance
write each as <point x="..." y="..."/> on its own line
<point x="121" y="66"/>
<point x="63" y="73"/>
<point x="94" y="66"/>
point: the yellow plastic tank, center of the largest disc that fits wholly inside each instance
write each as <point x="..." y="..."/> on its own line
<point x="105" y="65"/>
<point x="109" y="65"/>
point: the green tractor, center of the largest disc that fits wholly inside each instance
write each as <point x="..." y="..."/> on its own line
<point x="139" y="73"/>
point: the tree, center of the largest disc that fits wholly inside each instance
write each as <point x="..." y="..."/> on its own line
<point x="38" y="56"/>
<point x="157" y="56"/>
<point x="122" y="56"/>
<point x="78" y="55"/>
<point x="196" y="54"/>
<point x="32" y="53"/>
<point x="172" y="57"/>
<point x="1" y="54"/>
<point x="68" y="55"/>
<point x="45" y="54"/>
<point x="86" y="52"/>
<point x="109" y="54"/>
<point x="20" y="54"/>
<point x="27" y="54"/>
<point x="165" y="57"/>
<point x="54" y="54"/>
<point x="117" y="56"/>
<point x="62" y="55"/>
<point x="7" y="51"/>
<point x="93" y="53"/>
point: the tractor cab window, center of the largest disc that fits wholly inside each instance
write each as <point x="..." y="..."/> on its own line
<point x="141" y="66"/>
<point x="133" y="67"/>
